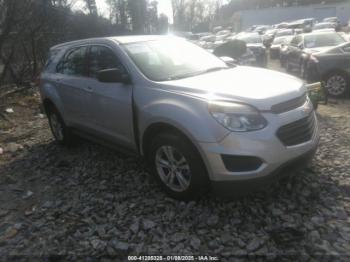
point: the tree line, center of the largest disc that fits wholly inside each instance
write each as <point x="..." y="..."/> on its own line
<point x="28" y="28"/>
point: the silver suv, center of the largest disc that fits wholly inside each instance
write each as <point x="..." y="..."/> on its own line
<point x="198" y="121"/>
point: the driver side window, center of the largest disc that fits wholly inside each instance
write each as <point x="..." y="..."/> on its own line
<point x="101" y="58"/>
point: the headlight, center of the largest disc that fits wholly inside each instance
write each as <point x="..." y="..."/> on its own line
<point x="237" y="117"/>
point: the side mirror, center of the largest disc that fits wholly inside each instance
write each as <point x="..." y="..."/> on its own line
<point x="301" y="46"/>
<point x="229" y="60"/>
<point x="113" y="75"/>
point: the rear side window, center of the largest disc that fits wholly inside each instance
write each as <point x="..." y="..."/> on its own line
<point x="101" y="58"/>
<point x="74" y="62"/>
<point x="49" y="67"/>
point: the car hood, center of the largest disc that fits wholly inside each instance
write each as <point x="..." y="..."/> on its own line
<point x="258" y="87"/>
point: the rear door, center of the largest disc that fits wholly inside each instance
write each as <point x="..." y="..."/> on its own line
<point x="73" y="89"/>
<point x="111" y="103"/>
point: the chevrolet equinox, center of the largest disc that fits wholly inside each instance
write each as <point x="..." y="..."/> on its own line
<point x="197" y="121"/>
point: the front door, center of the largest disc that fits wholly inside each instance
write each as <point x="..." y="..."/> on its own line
<point x="111" y="103"/>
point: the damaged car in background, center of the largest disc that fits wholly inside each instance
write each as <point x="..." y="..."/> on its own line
<point x="332" y="66"/>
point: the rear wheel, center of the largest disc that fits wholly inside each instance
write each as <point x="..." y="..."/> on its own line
<point x="178" y="167"/>
<point x="337" y="84"/>
<point x="59" y="130"/>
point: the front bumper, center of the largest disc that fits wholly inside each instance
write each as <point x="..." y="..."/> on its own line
<point x="245" y="187"/>
<point x="262" y="144"/>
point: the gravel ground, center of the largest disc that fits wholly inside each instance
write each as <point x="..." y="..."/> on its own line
<point x="63" y="204"/>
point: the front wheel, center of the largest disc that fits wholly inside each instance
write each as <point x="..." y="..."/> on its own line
<point x="337" y="84"/>
<point x="178" y="167"/>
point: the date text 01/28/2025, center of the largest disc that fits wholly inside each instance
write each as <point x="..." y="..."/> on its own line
<point x="173" y="258"/>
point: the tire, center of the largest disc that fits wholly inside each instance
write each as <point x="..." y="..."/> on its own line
<point x="337" y="84"/>
<point x="60" y="131"/>
<point x="184" y="179"/>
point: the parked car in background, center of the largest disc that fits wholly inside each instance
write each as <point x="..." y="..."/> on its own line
<point x="261" y="29"/>
<point x="325" y="26"/>
<point x="331" y="66"/>
<point x="269" y="36"/>
<point x="255" y="43"/>
<point x="283" y="25"/>
<point x="208" y="38"/>
<point x="236" y="50"/>
<point x="197" y="122"/>
<point x="303" y="46"/>
<point x="285" y="32"/>
<point x="333" y="20"/>
<point x="277" y="44"/>
<point x="284" y="53"/>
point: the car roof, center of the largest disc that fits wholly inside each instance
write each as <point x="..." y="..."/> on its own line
<point x="320" y="33"/>
<point x="324" y="23"/>
<point x="116" y="39"/>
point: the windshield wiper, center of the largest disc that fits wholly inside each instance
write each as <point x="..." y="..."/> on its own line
<point x="176" y="77"/>
<point x="215" y="69"/>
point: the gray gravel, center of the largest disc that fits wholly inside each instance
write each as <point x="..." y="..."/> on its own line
<point x="87" y="200"/>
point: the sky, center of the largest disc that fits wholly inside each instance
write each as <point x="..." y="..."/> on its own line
<point x="164" y="6"/>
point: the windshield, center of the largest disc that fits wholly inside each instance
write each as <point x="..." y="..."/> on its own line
<point x="169" y="59"/>
<point x="312" y="41"/>
<point x="251" y="39"/>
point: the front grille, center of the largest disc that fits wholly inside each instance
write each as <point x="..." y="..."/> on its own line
<point x="289" y="105"/>
<point x="297" y="132"/>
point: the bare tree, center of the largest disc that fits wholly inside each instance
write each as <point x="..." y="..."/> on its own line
<point x="91" y="6"/>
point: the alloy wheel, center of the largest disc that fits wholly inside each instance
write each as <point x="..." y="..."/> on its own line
<point x="173" y="168"/>
<point x="336" y="85"/>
